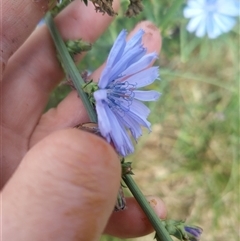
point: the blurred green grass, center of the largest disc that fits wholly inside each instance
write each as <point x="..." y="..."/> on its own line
<point x="191" y="158"/>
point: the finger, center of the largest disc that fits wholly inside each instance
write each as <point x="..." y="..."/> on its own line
<point x="19" y="18"/>
<point x="34" y="70"/>
<point x="132" y="222"/>
<point x="70" y="111"/>
<point x="61" y="190"/>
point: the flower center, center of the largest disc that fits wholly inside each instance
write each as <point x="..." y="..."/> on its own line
<point x="120" y="95"/>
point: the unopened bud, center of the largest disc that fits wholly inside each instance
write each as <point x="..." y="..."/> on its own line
<point x="183" y="231"/>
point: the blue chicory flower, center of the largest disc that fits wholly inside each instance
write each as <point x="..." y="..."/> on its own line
<point x="118" y="102"/>
<point x="213" y="17"/>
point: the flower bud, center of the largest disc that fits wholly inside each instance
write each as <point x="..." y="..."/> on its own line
<point x="183" y="231"/>
<point x="193" y="232"/>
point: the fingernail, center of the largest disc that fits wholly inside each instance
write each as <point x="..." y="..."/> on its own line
<point x="158" y="206"/>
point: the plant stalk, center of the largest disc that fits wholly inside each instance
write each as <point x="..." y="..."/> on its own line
<point x="162" y="233"/>
<point x="69" y="66"/>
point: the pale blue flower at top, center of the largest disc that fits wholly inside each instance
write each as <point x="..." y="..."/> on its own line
<point x="118" y="102"/>
<point x="211" y="17"/>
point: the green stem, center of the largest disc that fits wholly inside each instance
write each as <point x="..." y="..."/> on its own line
<point x="152" y="216"/>
<point x="69" y="66"/>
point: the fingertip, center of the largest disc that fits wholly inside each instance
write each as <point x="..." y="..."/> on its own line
<point x="152" y="39"/>
<point x="65" y="187"/>
<point x="158" y="206"/>
<point x="132" y="222"/>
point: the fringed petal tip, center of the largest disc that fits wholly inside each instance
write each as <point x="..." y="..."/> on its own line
<point x="118" y="99"/>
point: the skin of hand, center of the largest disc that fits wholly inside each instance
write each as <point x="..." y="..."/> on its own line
<point x="58" y="183"/>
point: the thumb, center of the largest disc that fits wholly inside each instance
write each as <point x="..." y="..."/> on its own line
<point x="64" y="189"/>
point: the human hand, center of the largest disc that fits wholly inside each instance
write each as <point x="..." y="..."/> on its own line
<point x="58" y="183"/>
